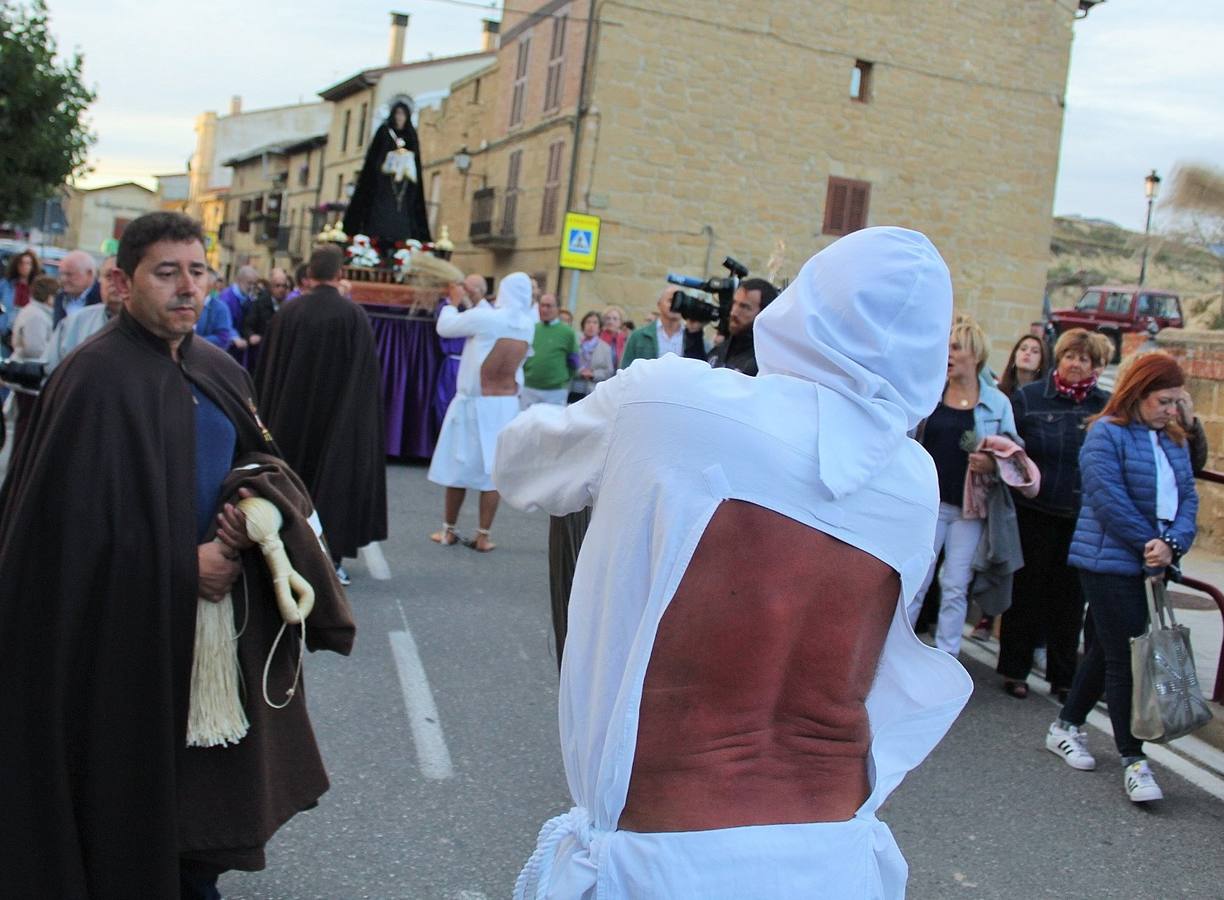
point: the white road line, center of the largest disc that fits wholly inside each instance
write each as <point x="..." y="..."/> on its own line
<point x="470" y="895"/>
<point x="423" y="718"/>
<point x="1197" y="772"/>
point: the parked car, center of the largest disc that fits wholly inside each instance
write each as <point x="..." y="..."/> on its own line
<point x="1118" y="309"/>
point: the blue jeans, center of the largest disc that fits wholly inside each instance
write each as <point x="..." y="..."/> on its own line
<point x="1117" y="612"/>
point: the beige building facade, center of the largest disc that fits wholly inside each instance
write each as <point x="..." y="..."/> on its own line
<point x="764" y="132"/>
<point x="97" y="215"/>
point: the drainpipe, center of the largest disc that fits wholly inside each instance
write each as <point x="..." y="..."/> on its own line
<point x="579" y="114"/>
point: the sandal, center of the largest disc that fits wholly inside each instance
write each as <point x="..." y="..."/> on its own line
<point x="1017" y="689"/>
<point x="474" y="543"/>
<point x="447" y="536"/>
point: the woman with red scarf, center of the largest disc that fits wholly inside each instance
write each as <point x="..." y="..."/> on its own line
<point x="1046" y="598"/>
<point x="612" y="334"/>
<point x="15" y="291"/>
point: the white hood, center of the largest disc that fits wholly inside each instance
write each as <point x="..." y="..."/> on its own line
<point x="514" y="296"/>
<point x="867" y="321"/>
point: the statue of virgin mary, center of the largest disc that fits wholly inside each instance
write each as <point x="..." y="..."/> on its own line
<point x="389" y="202"/>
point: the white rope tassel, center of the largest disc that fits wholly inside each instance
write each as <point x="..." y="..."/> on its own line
<point x="215" y="715"/>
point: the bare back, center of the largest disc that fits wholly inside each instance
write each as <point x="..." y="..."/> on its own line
<point x="753" y="707"/>
<point x="497" y="372"/>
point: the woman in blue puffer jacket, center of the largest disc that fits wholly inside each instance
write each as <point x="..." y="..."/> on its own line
<point x="1137" y="517"/>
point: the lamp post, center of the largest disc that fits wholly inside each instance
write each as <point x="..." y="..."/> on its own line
<point x="1151" y="185"/>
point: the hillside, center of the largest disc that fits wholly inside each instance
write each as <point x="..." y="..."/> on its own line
<point x="1088" y="251"/>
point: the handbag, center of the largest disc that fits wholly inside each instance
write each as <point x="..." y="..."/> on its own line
<point x="1166" y="702"/>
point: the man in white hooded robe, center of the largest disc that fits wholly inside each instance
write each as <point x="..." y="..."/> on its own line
<point x="741" y="689"/>
<point x="486" y="399"/>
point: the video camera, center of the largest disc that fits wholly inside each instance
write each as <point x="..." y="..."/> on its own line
<point x="697" y="310"/>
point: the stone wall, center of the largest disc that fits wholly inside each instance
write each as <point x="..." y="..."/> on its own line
<point x="717" y="127"/>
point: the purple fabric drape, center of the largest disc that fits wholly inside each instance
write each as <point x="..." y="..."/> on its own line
<point x="411" y="357"/>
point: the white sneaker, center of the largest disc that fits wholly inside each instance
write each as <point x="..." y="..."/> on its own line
<point x="1140" y="785"/>
<point x="1071" y="746"/>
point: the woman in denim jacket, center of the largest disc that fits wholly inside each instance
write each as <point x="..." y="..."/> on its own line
<point x="972" y="406"/>
<point x="1046" y="599"/>
<point x="1138" y="516"/>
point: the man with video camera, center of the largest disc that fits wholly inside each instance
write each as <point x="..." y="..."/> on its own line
<point x="736" y="350"/>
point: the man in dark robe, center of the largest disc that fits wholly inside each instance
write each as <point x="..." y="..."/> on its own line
<point x="319" y="384"/>
<point x="388" y="204"/>
<point x="107" y="519"/>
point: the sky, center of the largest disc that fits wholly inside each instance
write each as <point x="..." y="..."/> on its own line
<point x="1145" y="88"/>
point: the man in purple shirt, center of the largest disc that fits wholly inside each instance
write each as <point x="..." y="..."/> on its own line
<point x="237" y="296"/>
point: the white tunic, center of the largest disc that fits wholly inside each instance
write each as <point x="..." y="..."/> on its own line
<point x="464" y="454"/>
<point x="655" y="450"/>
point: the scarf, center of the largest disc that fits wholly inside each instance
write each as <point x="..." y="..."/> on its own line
<point x="586" y="350"/>
<point x="1075" y="392"/>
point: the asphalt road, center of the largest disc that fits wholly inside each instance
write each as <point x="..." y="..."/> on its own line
<point x="445" y="802"/>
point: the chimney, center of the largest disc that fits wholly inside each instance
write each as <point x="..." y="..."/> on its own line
<point x="492" y="28"/>
<point x="235" y="105"/>
<point x="399" y="26"/>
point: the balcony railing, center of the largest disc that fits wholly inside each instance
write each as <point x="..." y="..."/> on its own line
<point x="493" y="218"/>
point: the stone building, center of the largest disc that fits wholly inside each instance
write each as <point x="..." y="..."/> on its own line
<point x="764" y="132"/>
<point x="173" y="191"/>
<point x="97" y="215"/>
<point x="221" y="138"/>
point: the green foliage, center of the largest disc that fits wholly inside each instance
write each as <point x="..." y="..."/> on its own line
<point x="44" y="139"/>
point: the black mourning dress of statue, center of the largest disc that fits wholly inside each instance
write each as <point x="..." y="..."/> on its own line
<point x="389" y="205"/>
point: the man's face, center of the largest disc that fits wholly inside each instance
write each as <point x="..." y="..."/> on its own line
<point x="111" y="294"/>
<point x="74" y="277"/>
<point x="279" y="285"/>
<point x="246" y="282"/>
<point x="548" y="307"/>
<point x="166" y="292"/>
<point x="665" y="310"/>
<point x="744" y="308"/>
<point x="474" y="287"/>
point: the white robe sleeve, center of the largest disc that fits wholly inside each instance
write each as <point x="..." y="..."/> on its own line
<point x="453" y="324"/>
<point x="552" y="458"/>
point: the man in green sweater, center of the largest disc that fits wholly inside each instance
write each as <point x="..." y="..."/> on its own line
<point x="553" y="361"/>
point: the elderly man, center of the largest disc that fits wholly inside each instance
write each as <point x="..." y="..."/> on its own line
<point x="655" y="339"/>
<point x="107" y="524"/>
<point x="490" y="374"/>
<point x="237" y="297"/>
<point x="475" y="289"/>
<point x="84" y="323"/>
<point x="215" y="324"/>
<point x="78" y="287"/>
<point x="741" y="689"/>
<point x="553" y="362"/>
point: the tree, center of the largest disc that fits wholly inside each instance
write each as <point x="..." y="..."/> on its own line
<point x="44" y="139"/>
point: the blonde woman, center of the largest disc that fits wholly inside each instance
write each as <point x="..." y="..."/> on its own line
<point x="613" y="334"/>
<point x="970" y="409"/>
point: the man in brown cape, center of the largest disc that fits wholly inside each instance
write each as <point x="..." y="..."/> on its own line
<point x="106" y="524"/>
<point x="319" y="385"/>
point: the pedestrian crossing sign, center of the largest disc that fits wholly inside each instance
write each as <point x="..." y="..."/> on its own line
<point x="579" y="242"/>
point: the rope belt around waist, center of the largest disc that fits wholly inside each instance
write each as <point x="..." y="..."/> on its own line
<point x="533" y="881"/>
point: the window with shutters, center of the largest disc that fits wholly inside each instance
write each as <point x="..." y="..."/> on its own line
<point x="118" y="227"/>
<point x="361" y="124"/>
<point x="348" y="121"/>
<point x="556" y="64"/>
<point x="552" y="188"/>
<point x="244" y="216"/>
<point x="510" y="209"/>
<point x="520" y="81"/>
<point x="846" y="205"/>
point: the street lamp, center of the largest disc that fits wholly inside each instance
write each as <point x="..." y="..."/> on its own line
<point x="1151" y="185"/>
<point x="463" y="160"/>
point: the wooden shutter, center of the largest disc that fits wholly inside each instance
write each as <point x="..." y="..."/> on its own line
<point x="846" y="204"/>
<point x="520" y="81"/>
<point x="510" y="210"/>
<point x="556" y="60"/>
<point x="552" y="188"/>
